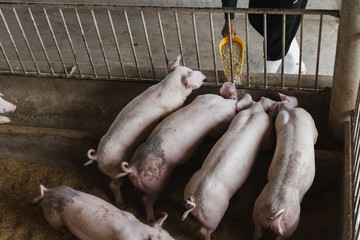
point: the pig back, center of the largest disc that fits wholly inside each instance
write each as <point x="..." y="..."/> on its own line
<point x="294" y="157"/>
<point x="87" y="216"/>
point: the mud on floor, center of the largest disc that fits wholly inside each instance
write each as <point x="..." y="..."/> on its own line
<point x="20" y="219"/>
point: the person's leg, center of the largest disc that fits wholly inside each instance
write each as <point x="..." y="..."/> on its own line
<point x="274" y="31"/>
<point x="292" y="60"/>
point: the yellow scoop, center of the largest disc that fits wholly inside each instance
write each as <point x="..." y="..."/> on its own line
<point x="237" y="55"/>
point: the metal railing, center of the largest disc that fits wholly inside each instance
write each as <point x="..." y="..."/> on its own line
<point x="355" y="171"/>
<point x="125" y="42"/>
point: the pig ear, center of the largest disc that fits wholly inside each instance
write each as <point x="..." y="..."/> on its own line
<point x="193" y="79"/>
<point x="173" y="64"/>
<point x="160" y="221"/>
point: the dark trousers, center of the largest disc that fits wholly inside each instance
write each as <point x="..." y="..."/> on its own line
<point x="274" y="24"/>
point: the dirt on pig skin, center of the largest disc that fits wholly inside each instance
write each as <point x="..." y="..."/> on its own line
<point x="21" y="219"/>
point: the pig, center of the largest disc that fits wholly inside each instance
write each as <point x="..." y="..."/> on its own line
<point x="174" y="140"/>
<point x="136" y="120"/>
<point x="228" y="164"/>
<point x="91" y="218"/>
<point x="5" y="107"/>
<point x="291" y="171"/>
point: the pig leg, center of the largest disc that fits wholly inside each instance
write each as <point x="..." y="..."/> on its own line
<point x="205" y="233"/>
<point x="148" y="202"/>
<point x="115" y="186"/>
<point x="258" y="232"/>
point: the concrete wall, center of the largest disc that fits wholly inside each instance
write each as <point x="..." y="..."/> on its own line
<point x="312" y="4"/>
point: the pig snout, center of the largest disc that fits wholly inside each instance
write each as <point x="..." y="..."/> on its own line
<point x="6" y="106"/>
<point x="228" y="90"/>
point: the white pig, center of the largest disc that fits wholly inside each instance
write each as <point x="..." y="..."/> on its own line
<point x="174" y="140"/>
<point x="5" y="107"/>
<point x="291" y="172"/>
<point x="91" y="218"/>
<point x="228" y="164"/>
<point x="136" y="120"/>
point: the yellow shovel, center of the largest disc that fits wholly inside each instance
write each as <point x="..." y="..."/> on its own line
<point x="237" y="57"/>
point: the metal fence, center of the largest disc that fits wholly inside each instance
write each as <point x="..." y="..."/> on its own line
<point x="128" y="42"/>
<point x="355" y="172"/>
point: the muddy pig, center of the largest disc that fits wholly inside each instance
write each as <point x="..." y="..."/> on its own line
<point x="5" y="107"/>
<point x="137" y="119"/>
<point x="228" y="164"/>
<point x="291" y="171"/>
<point x="173" y="142"/>
<point x="91" y="218"/>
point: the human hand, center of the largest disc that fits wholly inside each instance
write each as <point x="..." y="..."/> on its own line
<point x="225" y="29"/>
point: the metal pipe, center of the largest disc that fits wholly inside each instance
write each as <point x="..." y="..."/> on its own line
<point x="132" y="43"/>
<point x="162" y="38"/>
<point x="346" y="72"/>
<point x="26" y="40"/>
<point x="301" y="49"/>
<point x="148" y="43"/>
<point x="265" y="50"/>
<point x="230" y="45"/>
<point x="283" y="49"/>
<point x="334" y="13"/>
<point x="101" y="43"/>
<point x="85" y="43"/>
<point x="179" y="38"/>
<point x="6" y="58"/>
<point x="70" y="41"/>
<point x="318" y="53"/>
<point x="213" y="47"/>
<point x="247" y="49"/>
<point x="55" y="41"/>
<point x="117" y="44"/>
<point x="196" y="41"/>
<point x="12" y="41"/>
<point x="40" y="40"/>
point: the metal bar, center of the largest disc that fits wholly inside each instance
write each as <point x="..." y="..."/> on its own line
<point x="162" y="38"/>
<point x="283" y="49"/>
<point x="301" y="49"/>
<point x="55" y="41"/>
<point x="247" y="49"/>
<point x="26" y="40"/>
<point x="70" y="41"/>
<point x="132" y="43"/>
<point x="318" y="53"/>
<point x="196" y="42"/>
<point x="101" y="43"/>
<point x="6" y="58"/>
<point x="356" y="146"/>
<point x="230" y="46"/>
<point x="12" y="41"/>
<point x="213" y="47"/>
<point x="345" y="222"/>
<point x="334" y="13"/>
<point x="179" y="38"/>
<point x="40" y="40"/>
<point x="85" y="42"/>
<point x="148" y="43"/>
<point x="265" y="50"/>
<point x="117" y="44"/>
